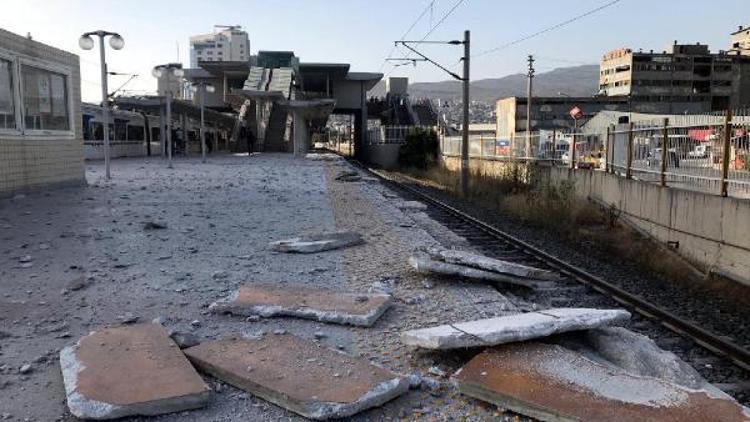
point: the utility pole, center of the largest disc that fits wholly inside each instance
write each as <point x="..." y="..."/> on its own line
<point x="465" y="134"/>
<point x="529" y="95"/>
<point x="466" y="94"/>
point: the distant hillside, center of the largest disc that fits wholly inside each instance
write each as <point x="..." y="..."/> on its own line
<point x="573" y="81"/>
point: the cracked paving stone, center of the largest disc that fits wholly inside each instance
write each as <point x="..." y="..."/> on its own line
<point x="317" y="304"/>
<point x="128" y="371"/>
<point x="549" y="382"/>
<point x="512" y="328"/>
<point x="299" y="375"/>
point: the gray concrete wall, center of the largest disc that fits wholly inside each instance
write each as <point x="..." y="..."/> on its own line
<point x="383" y="155"/>
<point x="713" y="232"/>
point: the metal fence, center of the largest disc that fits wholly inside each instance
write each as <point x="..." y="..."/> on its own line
<point x="700" y="152"/>
<point x="709" y="153"/>
<point x="392" y="134"/>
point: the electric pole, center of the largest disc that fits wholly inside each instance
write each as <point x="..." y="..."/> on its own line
<point x="465" y="133"/>
<point x="529" y="95"/>
<point x="466" y="97"/>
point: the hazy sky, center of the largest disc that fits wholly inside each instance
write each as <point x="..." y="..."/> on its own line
<point x="361" y="32"/>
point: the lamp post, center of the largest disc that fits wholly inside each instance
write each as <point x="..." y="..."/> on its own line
<point x="168" y="70"/>
<point x="201" y="88"/>
<point x="117" y="43"/>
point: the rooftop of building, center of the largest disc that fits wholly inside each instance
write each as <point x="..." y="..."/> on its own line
<point x="569" y="100"/>
<point x="740" y="30"/>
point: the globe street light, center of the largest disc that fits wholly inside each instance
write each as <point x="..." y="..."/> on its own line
<point x="117" y="43"/>
<point x="201" y="88"/>
<point x="168" y="70"/>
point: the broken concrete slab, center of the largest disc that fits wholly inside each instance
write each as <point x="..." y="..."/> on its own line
<point x="299" y="375"/>
<point x="512" y="328"/>
<point x="348" y="176"/>
<point x="303" y="302"/>
<point x="129" y="371"/>
<point x="457" y="257"/>
<point x="551" y="383"/>
<point x="318" y="242"/>
<point x="411" y="205"/>
<point x="636" y="354"/>
<point x="323" y="157"/>
<point x="426" y="265"/>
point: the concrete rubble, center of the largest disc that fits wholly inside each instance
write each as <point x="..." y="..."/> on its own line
<point x="637" y="354"/>
<point x="318" y="242"/>
<point x="512" y="328"/>
<point x="128" y="371"/>
<point x="468" y="259"/>
<point x="309" y="303"/>
<point x="552" y="383"/>
<point x="425" y="264"/>
<point x="299" y="375"/>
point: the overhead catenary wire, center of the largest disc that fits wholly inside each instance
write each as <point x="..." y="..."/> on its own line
<point x="432" y="29"/>
<point x="416" y="21"/>
<point x="546" y="30"/>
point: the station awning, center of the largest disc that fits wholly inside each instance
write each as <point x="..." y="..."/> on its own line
<point x="153" y="104"/>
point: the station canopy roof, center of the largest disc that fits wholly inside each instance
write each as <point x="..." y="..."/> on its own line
<point x="152" y="105"/>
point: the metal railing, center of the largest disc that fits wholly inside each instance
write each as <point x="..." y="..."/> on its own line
<point x="703" y="152"/>
<point x="392" y="134"/>
<point x="709" y="153"/>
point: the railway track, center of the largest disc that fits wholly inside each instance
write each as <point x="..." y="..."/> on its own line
<point x="723" y="361"/>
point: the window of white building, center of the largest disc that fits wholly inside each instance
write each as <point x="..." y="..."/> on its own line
<point x="7" y="102"/>
<point x="45" y="99"/>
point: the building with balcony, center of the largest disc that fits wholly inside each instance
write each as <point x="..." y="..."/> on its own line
<point x="684" y="78"/>
<point x="229" y="45"/>
<point x="741" y="41"/>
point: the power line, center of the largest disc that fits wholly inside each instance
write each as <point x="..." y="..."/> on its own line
<point x="434" y="27"/>
<point x="548" y="29"/>
<point x="416" y="21"/>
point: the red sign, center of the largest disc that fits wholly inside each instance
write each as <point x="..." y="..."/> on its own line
<point x="576" y="113"/>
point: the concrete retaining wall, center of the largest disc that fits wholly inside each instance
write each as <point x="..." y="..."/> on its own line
<point x="383" y="155"/>
<point x="710" y="231"/>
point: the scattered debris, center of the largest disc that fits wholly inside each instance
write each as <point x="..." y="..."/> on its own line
<point x="549" y="382"/>
<point x="637" y="354"/>
<point x="411" y="205"/>
<point x="184" y="340"/>
<point x="317" y="242"/>
<point x="101" y="370"/>
<point x="128" y="318"/>
<point x="512" y="328"/>
<point x="349" y="176"/>
<point x="153" y="225"/>
<point x="304" y="302"/>
<point x="323" y="157"/>
<point x="423" y="263"/>
<point x="219" y="275"/>
<point x="299" y="375"/>
<point x="468" y="259"/>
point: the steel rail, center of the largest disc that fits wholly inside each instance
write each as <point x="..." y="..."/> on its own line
<point x="708" y="340"/>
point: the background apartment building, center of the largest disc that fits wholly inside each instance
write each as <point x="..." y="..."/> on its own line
<point x="741" y="41"/>
<point x="685" y="78"/>
<point x="229" y="45"/>
<point x="549" y="113"/>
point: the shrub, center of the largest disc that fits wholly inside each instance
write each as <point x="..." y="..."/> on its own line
<point x="420" y="150"/>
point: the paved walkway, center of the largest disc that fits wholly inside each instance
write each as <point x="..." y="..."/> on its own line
<point x="75" y="260"/>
